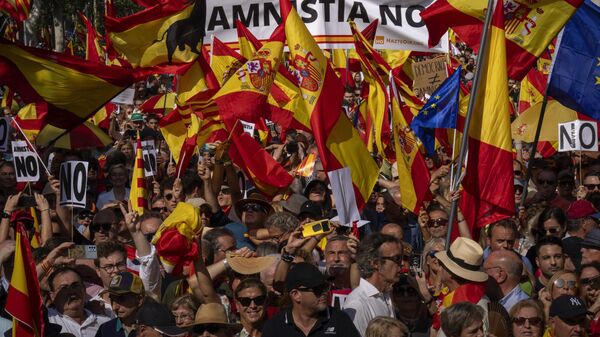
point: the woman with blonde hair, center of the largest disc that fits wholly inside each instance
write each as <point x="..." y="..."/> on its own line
<point x="381" y="326"/>
<point x="528" y="319"/>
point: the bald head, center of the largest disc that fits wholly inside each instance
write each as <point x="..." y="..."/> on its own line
<point x="507" y="260"/>
<point x="393" y="229"/>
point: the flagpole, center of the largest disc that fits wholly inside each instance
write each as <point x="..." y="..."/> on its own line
<point x="538" y="131"/>
<point x="465" y="138"/>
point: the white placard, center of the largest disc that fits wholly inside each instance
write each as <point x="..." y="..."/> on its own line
<point x="73" y="183"/>
<point x="248" y="128"/>
<point x="4" y="133"/>
<point x="27" y="167"/>
<point x="343" y="194"/>
<point x="578" y="135"/>
<point x="125" y="97"/>
<point x="400" y="24"/>
<point x="149" y="157"/>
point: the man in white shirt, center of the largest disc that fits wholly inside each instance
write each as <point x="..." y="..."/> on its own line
<point x="67" y="293"/>
<point x="379" y="260"/>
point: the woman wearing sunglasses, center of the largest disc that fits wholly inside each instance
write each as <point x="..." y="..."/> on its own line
<point x="561" y="283"/>
<point x="251" y="302"/>
<point x="528" y="319"/>
<point x="589" y="280"/>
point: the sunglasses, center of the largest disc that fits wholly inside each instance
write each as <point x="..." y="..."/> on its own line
<point x="212" y="329"/>
<point x="546" y="182"/>
<point x="592" y="186"/>
<point x="246" y="301"/>
<point x="226" y="191"/>
<point x="532" y="320"/>
<point x="593" y="282"/>
<point x="397" y="259"/>
<point x="254" y="208"/>
<point x="159" y="209"/>
<point x="435" y="223"/>
<point x="96" y="227"/>
<point x="85" y="216"/>
<point x="517" y="172"/>
<point x="561" y="283"/>
<point x="169" y="196"/>
<point x="318" y="291"/>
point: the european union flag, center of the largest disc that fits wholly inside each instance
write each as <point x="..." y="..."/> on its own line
<point x="575" y="78"/>
<point x="440" y="111"/>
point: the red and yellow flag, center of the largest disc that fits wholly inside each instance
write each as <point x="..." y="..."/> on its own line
<point x="93" y="50"/>
<point x="532" y="90"/>
<point x="61" y="81"/>
<point x="307" y="166"/>
<point x="8" y="100"/>
<point x="24" y="302"/>
<point x="17" y="9"/>
<point x="172" y="31"/>
<point x="197" y="85"/>
<point x="247" y="42"/>
<point x="137" y="192"/>
<point x="488" y="194"/>
<point x="338" y="142"/>
<point x="31" y="118"/>
<point x="224" y="61"/>
<point x="159" y="104"/>
<point x="530" y="26"/>
<point x="102" y="117"/>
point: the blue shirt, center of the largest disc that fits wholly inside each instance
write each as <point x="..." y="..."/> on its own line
<point x="514" y="296"/>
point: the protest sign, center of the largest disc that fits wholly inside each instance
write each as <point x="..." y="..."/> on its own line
<point x="578" y="135"/>
<point x="27" y="167"/>
<point x="429" y="74"/>
<point x="149" y="156"/>
<point x="73" y="183"/>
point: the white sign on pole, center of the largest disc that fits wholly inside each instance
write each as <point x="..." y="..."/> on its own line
<point x="578" y="135"/>
<point x="149" y="156"/>
<point x="343" y="194"/>
<point x="73" y="183"/>
<point x="248" y="128"/>
<point x="27" y="167"/>
<point x="4" y="133"/>
<point x="125" y="97"/>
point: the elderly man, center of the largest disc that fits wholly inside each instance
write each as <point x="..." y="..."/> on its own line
<point x="506" y="268"/>
<point x="567" y="317"/>
<point x="379" y="260"/>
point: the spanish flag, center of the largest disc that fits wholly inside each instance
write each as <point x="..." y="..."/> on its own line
<point x="17" y="9"/>
<point x="61" y="81"/>
<point x="174" y="128"/>
<point x="338" y="142"/>
<point x="530" y="26"/>
<point x="102" y="117"/>
<point x="197" y="84"/>
<point x="31" y="119"/>
<point x="247" y="42"/>
<point x="224" y="61"/>
<point x="532" y="90"/>
<point x="159" y="104"/>
<point x="24" y="302"/>
<point x="414" y="182"/>
<point x="137" y="192"/>
<point x="172" y="33"/>
<point x="93" y="50"/>
<point x="488" y="194"/>
<point x="8" y="100"/>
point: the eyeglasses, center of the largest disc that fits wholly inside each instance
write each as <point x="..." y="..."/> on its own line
<point x="169" y="196"/>
<point x="111" y="267"/>
<point x="253" y="207"/>
<point x="532" y="320"/>
<point x="517" y="172"/>
<point x="589" y="281"/>
<point x="85" y="216"/>
<point x="105" y="227"/>
<point x="246" y="301"/>
<point x="159" y="209"/>
<point x="592" y="186"/>
<point x="318" y="291"/>
<point x="397" y="259"/>
<point x="212" y="329"/>
<point x="182" y="316"/>
<point x="435" y="223"/>
<point x="561" y="283"/>
<point x="546" y="182"/>
<point x="226" y="191"/>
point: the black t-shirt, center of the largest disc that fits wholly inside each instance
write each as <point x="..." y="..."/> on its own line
<point x="332" y="322"/>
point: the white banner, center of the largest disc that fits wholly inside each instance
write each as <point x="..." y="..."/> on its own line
<point x="73" y="183"/>
<point x="248" y="128"/>
<point x="400" y="24"/>
<point x="578" y="135"/>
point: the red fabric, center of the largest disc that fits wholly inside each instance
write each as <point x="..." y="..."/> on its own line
<point x="177" y="250"/>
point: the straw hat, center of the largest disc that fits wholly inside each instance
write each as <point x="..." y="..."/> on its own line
<point x="464" y="259"/>
<point x="250" y="265"/>
<point x="213" y="313"/>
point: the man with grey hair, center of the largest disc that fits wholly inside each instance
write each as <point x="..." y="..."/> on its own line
<point x="379" y="259"/>
<point x="506" y="268"/>
<point x="280" y="226"/>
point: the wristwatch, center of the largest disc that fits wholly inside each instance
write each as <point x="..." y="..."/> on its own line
<point x="287" y="257"/>
<point x="5" y="215"/>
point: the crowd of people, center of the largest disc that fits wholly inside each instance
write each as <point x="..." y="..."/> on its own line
<point x="254" y="269"/>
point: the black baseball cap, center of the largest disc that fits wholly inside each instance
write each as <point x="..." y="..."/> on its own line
<point x="159" y="317"/>
<point x="311" y="209"/>
<point x="304" y="275"/>
<point x="567" y="307"/>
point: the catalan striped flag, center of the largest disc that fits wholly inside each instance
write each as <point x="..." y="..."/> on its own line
<point x="530" y="26"/>
<point x="93" y="50"/>
<point x="137" y="192"/>
<point x="338" y="142"/>
<point x="59" y="80"/>
<point x="488" y="194"/>
<point x="17" y="9"/>
<point x="307" y="166"/>
<point x="24" y="302"/>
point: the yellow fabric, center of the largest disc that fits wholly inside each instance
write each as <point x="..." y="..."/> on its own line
<point x="185" y="218"/>
<point x="64" y="142"/>
<point x="523" y="127"/>
<point x="137" y="192"/>
<point x="191" y="84"/>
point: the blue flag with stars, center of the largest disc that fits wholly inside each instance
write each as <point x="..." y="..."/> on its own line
<point x="440" y="111"/>
<point x="575" y="78"/>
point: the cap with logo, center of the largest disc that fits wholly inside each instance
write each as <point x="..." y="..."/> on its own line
<point x="567" y="307"/>
<point x="125" y="283"/>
